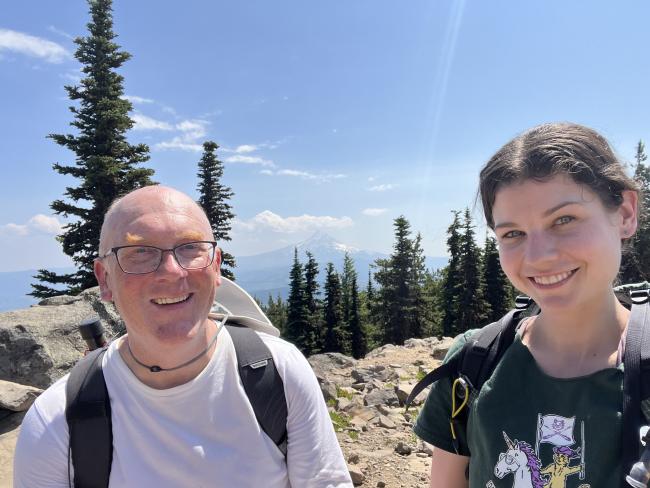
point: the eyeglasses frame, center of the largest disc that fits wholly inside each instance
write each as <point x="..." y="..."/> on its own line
<point x="114" y="250"/>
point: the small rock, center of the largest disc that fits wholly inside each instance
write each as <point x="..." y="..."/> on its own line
<point x="386" y="422"/>
<point x="343" y="404"/>
<point x="357" y="475"/>
<point x="16" y="397"/>
<point x="353" y="458"/>
<point x="403" y="448"/>
<point x="329" y="390"/>
<point x="381" y="484"/>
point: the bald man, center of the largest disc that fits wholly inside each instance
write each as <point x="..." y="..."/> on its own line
<point x="180" y="415"/>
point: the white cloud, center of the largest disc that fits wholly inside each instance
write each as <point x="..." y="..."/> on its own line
<point x="192" y="131"/>
<point x="51" y="28"/>
<point x="305" y="175"/>
<point x="268" y="220"/>
<point x="32" y="46"/>
<point x="136" y="99"/>
<point x="384" y="187"/>
<point x="238" y="158"/>
<point x="38" y="223"/>
<point x="266" y="172"/>
<point x="374" y="212"/>
<point x="142" y="122"/>
<point x="245" y="148"/>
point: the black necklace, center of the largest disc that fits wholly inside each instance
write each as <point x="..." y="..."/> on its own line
<point x="156" y="369"/>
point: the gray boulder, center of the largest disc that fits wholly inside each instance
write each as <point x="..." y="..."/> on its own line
<point x="38" y="345"/>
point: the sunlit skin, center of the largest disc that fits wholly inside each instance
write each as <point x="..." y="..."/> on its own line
<point x="562" y="247"/>
<point x="165" y="335"/>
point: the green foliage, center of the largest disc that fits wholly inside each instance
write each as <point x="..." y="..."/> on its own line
<point x="400" y="304"/>
<point x="341" y="393"/>
<point x="339" y="420"/>
<point x="498" y="290"/>
<point x="106" y="165"/>
<point x="420" y="374"/>
<point x="354" y="435"/>
<point x="335" y="334"/>
<point x="350" y="303"/>
<point x="313" y="303"/>
<point x="298" y="328"/>
<point x="452" y="284"/>
<point x="276" y="311"/>
<point x="214" y="197"/>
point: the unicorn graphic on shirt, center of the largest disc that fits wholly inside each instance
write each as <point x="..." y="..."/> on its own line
<point x="520" y="460"/>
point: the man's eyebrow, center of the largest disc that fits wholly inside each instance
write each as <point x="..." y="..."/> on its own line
<point x="546" y="213"/>
<point x="133" y="238"/>
<point x="190" y="234"/>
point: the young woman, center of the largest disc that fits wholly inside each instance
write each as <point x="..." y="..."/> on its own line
<point x="561" y="206"/>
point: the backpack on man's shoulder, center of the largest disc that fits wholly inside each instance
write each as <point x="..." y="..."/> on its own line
<point x="475" y="362"/>
<point x="88" y="408"/>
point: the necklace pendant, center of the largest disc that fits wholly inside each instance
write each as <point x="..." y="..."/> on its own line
<point x="155" y="369"/>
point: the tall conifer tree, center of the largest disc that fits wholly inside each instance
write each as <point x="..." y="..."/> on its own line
<point x="297" y="314"/>
<point x="214" y="197"/>
<point x="472" y="310"/>
<point x="498" y="290"/>
<point x="313" y="304"/>
<point x="334" y="340"/>
<point x="452" y="280"/>
<point x="106" y="164"/>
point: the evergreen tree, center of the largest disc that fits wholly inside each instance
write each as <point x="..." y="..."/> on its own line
<point x="400" y="305"/>
<point x="452" y="281"/>
<point x="334" y="340"/>
<point x="297" y="313"/>
<point x="351" y="309"/>
<point x="214" y="197"/>
<point x="472" y="309"/>
<point x="369" y="313"/>
<point x="498" y="290"/>
<point x="106" y="164"/>
<point x="432" y="292"/>
<point x="276" y="311"/>
<point x="313" y="304"/>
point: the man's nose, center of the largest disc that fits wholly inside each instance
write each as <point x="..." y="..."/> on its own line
<point x="169" y="263"/>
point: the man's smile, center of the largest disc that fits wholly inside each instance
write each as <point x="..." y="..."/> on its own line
<point x="171" y="300"/>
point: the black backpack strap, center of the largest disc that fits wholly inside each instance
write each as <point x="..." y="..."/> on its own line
<point x="446" y="370"/>
<point x="486" y="347"/>
<point x="637" y="345"/>
<point x="88" y="413"/>
<point x="262" y="383"/>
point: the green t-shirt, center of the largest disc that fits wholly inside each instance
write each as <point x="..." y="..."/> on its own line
<point x="527" y="429"/>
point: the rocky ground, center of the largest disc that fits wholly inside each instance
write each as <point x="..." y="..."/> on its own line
<point x="365" y="399"/>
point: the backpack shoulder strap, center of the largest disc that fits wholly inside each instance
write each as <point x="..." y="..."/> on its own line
<point x="637" y="353"/>
<point x="262" y="383"/>
<point x="88" y="414"/>
<point x="477" y="358"/>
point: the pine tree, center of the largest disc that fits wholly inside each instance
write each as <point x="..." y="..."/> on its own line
<point x="432" y="292"/>
<point x="214" y="198"/>
<point x="313" y="304"/>
<point x="105" y="162"/>
<point x="399" y="298"/>
<point x="351" y="309"/>
<point x="452" y="281"/>
<point x="472" y="310"/>
<point x="276" y="311"/>
<point x="498" y="290"/>
<point x="334" y="340"/>
<point x="297" y="314"/>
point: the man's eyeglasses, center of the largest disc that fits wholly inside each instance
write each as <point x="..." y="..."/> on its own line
<point x="146" y="259"/>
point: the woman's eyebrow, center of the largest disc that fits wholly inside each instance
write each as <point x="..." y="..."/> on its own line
<point x="546" y="213"/>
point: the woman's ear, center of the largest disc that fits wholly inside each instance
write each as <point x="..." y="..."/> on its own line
<point x="628" y="211"/>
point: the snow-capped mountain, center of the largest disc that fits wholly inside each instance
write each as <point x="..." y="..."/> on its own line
<point x="268" y="273"/>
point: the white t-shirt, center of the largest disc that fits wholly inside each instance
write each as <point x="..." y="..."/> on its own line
<point x="200" y="434"/>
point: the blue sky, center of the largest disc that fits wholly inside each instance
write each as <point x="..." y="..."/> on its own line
<point x="334" y="116"/>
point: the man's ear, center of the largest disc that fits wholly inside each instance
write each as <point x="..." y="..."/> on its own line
<point x="217" y="264"/>
<point x="629" y="212"/>
<point x="101" y="273"/>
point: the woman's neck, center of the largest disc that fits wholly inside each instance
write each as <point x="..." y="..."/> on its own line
<point x="577" y="342"/>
